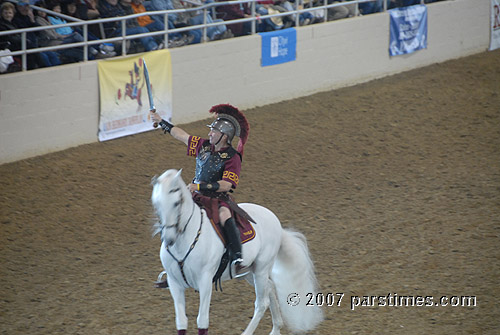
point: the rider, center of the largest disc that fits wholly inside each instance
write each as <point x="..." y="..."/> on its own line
<point x="218" y="166"/>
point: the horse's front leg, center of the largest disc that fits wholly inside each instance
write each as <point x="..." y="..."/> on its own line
<point x="177" y="292"/>
<point x="205" y="288"/>
<point x="181" y="320"/>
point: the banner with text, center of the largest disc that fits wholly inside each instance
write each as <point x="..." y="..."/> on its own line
<point x="408" y="29"/>
<point x="123" y="93"/>
<point x="279" y="46"/>
<point x="495" y="25"/>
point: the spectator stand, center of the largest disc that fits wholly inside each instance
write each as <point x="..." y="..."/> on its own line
<point x="206" y="8"/>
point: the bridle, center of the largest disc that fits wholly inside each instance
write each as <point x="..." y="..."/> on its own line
<point x="178" y="221"/>
<point x="183" y="260"/>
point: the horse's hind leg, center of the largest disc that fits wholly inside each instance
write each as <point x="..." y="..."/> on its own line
<point x="261" y="284"/>
<point x="275" y="309"/>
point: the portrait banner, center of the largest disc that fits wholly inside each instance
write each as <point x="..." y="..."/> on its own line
<point x="495" y="25"/>
<point x="124" y="103"/>
<point x="408" y="29"/>
<point x="278" y="46"/>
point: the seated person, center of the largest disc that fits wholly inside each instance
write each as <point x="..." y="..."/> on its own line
<point x="190" y="18"/>
<point x="10" y="42"/>
<point x="155" y="25"/>
<point x="270" y="7"/>
<point x="85" y="10"/>
<point x="339" y="12"/>
<point x="111" y="8"/>
<point x="304" y="18"/>
<point x="372" y="7"/>
<point x="71" y="35"/>
<point x="265" y="7"/>
<point x="51" y="37"/>
<point x="235" y="12"/>
<point x="213" y="32"/>
<point x="176" y="20"/>
<point x="7" y="11"/>
<point x="24" y="18"/>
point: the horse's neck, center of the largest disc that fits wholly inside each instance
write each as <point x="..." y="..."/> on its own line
<point x="191" y="217"/>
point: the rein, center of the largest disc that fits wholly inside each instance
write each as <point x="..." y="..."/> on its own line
<point x="181" y="262"/>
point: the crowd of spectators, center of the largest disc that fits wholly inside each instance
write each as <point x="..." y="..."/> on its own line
<point x="20" y="14"/>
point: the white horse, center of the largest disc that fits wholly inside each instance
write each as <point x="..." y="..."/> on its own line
<point x="282" y="271"/>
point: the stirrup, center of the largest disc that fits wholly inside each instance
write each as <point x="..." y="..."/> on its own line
<point x="159" y="283"/>
<point x="240" y="270"/>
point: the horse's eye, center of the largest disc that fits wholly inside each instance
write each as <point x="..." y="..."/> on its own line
<point x="177" y="203"/>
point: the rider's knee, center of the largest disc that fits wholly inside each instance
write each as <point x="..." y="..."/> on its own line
<point x="224" y="214"/>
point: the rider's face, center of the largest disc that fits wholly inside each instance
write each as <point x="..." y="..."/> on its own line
<point x="214" y="136"/>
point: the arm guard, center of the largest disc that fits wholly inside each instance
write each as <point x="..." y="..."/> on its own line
<point x="166" y="126"/>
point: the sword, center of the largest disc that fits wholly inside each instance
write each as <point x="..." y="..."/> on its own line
<point x="152" y="107"/>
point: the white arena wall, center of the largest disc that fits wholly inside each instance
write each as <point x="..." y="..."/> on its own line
<point x="53" y="109"/>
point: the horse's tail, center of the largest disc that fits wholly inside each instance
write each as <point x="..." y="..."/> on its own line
<point x="296" y="285"/>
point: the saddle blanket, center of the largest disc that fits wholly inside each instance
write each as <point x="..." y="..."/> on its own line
<point x="211" y="206"/>
<point x="247" y="232"/>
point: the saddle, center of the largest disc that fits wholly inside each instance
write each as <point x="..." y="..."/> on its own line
<point x="211" y="206"/>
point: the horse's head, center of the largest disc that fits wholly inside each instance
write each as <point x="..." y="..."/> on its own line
<point x="169" y="195"/>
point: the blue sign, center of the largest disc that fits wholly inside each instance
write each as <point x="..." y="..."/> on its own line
<point x="279" y="46"/>
<point x="408" y="29"/>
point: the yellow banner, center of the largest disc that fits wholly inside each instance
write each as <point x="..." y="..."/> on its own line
<point x="124" y="96"/>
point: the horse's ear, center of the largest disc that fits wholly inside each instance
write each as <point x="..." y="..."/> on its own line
<point x="154" y="180"/>
<point x="177" y="180"/>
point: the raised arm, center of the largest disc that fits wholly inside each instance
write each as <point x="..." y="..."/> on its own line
<point x="176" y="132"/>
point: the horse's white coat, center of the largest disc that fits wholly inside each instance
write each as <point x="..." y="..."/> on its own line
<point x="279" y="259"/>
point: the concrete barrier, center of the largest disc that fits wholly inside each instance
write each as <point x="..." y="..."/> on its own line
<point x="53" y="109"/>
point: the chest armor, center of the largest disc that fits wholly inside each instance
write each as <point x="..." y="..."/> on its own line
<point x="210" y="165"/>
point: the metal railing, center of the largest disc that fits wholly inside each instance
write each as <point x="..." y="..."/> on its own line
<point x="206" y="9"/>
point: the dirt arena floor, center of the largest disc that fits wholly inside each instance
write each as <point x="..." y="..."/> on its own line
<point x="395" y="183"/>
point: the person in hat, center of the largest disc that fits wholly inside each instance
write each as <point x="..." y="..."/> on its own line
<point x="19" y="17"/>
<point x="218" y="167"/>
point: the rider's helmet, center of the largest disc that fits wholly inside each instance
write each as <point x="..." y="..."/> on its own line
<point x="227" y="125"/>
<point x="231" y="122"/>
